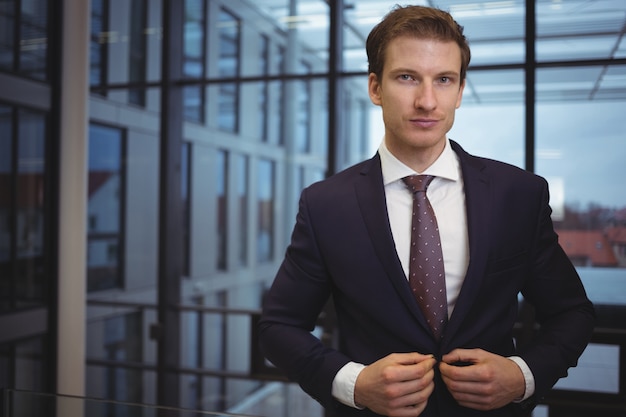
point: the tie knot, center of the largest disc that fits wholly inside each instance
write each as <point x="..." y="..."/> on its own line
<point x="417" y="183"/>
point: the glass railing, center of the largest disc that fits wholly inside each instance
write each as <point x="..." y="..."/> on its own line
<point x="17" y="403"/>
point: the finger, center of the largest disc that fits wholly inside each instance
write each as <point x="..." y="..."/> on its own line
<point x="415" y="400"/>
<point x="422" y="371"/>
<point x="410" y="358"/>
<point x="453" y="372"/>
<point x="462" y="357"/>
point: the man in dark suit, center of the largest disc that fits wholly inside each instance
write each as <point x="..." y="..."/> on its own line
<point x="352" y="240"/>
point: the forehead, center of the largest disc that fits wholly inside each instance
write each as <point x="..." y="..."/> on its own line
<point x="422" y="53"/>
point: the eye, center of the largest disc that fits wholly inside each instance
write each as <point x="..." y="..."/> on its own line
<point x="405" y="77"/>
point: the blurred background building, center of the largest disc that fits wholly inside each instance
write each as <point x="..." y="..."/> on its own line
<point x="152" y="153"/>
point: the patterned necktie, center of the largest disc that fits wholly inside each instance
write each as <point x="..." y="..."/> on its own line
<point x="426" y="270"/>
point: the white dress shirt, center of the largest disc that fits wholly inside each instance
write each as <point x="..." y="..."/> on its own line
<point x="447" y="197"/>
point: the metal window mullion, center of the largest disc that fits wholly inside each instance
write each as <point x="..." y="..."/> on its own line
<point x="530" y="78"/>
<point x="170" y="206"/>
<point x="335" y="66"/>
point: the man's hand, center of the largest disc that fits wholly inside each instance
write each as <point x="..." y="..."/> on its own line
<point x="397" y="385"/>
<point x="485" y="381"/>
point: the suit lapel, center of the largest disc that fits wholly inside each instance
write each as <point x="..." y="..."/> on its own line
<point x="370" y="194"/>
<point x="478" y="205"/>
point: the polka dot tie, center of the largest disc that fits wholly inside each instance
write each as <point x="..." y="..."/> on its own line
<point x="426" y="270"/>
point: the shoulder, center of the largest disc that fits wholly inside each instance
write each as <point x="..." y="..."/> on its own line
<point x="496" y="171"/>
<point x="348" y="178"/>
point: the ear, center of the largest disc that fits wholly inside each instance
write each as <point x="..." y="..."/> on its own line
<point x="460" y="96"/>
<point x="373" y="88"/>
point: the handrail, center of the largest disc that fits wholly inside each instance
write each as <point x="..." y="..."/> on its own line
<point x="17" y="403"/>
<point x="261" y="370"/>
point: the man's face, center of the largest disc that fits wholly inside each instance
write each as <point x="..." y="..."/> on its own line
<point x="419" y="91"/>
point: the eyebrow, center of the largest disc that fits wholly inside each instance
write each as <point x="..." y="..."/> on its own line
<point x="445" y="73"/>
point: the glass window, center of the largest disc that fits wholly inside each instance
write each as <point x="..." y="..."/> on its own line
<point x="277" y="100"/>
<point x="185" y="188"/>
<point x="30" y="364"/>
<point x="581" y="151"/>
<point x="306" y="25"/>
<point x="303" y="113"/>
<point x="24" y="271"/>
<point x="578" y="29"/>
<point x="26" y="53"/>
<point x="34" y="39"/>
<point x="265" y="206"/>
<point x="119" y="338"/>
<point x="491" y="121"/>
<point x="358" y="142"/>
<point x="23" y="366"/>
<point x="137" y="45"/>
<point x="98" y="45"/>
<point x="264" y="69"/>
<point x="194" y="58"/>
<point x="30" y="224"/>
<point x="7" y="34"/>
<point x="23" y="204"/>
<point x="104" y="207"/>
<point x="6" y="207"/>
<point x="242" y="198"/>
<point x="495" y="29"/>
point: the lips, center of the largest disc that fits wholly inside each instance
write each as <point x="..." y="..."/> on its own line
<point x="424" y="123"/>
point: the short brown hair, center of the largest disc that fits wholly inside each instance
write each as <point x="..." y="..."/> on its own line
<point x="417" y="21"/>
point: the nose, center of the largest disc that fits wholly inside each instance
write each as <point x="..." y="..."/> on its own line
<point x="425" y="98"/>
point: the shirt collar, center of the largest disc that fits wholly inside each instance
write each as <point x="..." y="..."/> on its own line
<point x="446" y="166"/>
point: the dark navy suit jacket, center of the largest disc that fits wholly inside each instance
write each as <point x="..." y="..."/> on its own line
<point x="342" y="246"/>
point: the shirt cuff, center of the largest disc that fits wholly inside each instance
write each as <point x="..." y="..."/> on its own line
<point x="529" y="379"/>
<point x="344" y="382"/>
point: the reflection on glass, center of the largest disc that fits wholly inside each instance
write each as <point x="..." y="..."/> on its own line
<point x="104" y="208"/>
<point x="23" y="203"/>
<point x="303" y="113"/>
<point x="29" y="365"/>
<point x="121" y="340"/>
<point x="7" y="36"/>
<point x="98" y="45"/>
<point x="30" y="227"/>
<point x="265" y="206"/>
<point x="306" y="25"/>
<point x="194" y="58"/>
<point x="227" y="107"/>
<point x="193" y="39"/>
<point x="579" y="29"/>
<point x="34" y="39"/>
<point x="229" y="52"/>
<point x="137" y="50"/>
<point x="193" y="102"/>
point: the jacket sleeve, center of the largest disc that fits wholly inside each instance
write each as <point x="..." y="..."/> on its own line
<point x="563" y="311"/>
<point x="298" y="294"/>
